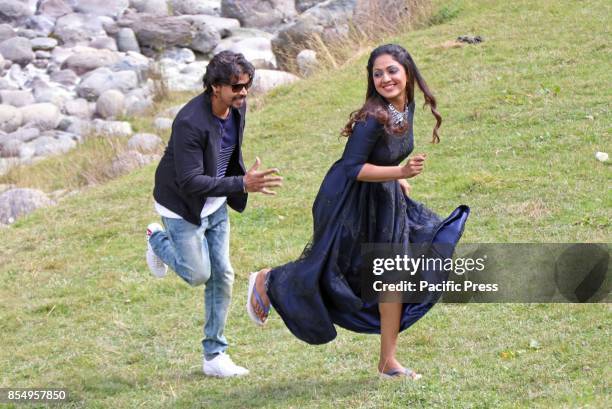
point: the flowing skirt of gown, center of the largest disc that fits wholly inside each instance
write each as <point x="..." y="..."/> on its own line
<point x="322" y="287"/>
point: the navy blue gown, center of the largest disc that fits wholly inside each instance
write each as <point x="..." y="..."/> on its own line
<point x="322" y="288"/>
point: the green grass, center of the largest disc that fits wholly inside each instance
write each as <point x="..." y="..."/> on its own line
<point x="524" y="112"/>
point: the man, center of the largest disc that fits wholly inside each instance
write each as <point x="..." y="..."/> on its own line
<point x="201" y="173"/>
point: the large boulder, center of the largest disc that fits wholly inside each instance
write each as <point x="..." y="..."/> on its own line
<point x="24" y="134"/>
<point x="77" y="28"/>
<point x="53" y="143"/>
<point x="126" y="40"/>
<point x="135" y="62"/>
<point x="208" y="7"/>
<point x="42" y="25"/>
<point x="15" y="203"/>
<point x="205" y="37"/>
<point x="54" y="8"/>
<point x="111" y="128"/>
<point x="14" y="11"/>
<point x="6" y="32"/>
<point x="138" y="101"/>
<point x="18" y="50"/>
<point x="225" y="26"/>
<point x="111" y="104"/>
<point x="55" y="94"/>
<point x="10" y="118"/>
<point x="157" y="7"/>
<point x="16" y="98"/>
<point x="265" y="80"/>
<point x="257" y="50"/>
<point x="111" y="8"/>
<point x="104" y="43"/>
<point x="328" y="20"/>
<point x="43" y="116"/>
<point x="79" y="108"/>
<point x="265" y="14"/>
<point x="158" y="32"/>
<point x="65" y="77"/>
<point x="95" y="83"/>
<point x="88" y="59"/>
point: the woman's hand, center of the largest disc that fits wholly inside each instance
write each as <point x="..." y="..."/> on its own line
<point x="414" y="166"/>
<point x="406" y="188"/>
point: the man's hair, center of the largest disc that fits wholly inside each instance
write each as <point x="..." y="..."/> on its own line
<point x="225" y="68"/>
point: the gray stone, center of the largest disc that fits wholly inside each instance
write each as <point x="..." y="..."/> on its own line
<point x="16" y="98"/>
<point x="43" y="116"/>
<point x="42" y="55"/>
<point x="156" y="7"/>
<point x="102" y="79"/>
<point x="135" y="62"/>
<point x="6" y="164"/>
<point x="256" y="13"/>
<point x="257" y="50"/>
<point x="76" y="28"/>
<point x="26" y="152"/>
<point x="163" y="124"/>
<point x="43" y="43"/>
<point x="111" y="8"/>
<point x="329" y="20"/>
<point x="53" y="143"/>
<point x="41" y="24"/>
<point x="111" y="128"/>
<point x="107" y="43"/>
<point x="24" y="134"/>
<point x="111" y="104"/>
<point x="65" y="77"/>
<point x="54" y="8"/>
<point x="144" y="142"/>
<point x="10" y="118"/>
<point x="137" y="105"/>
<point x="18" y="50"/>
<point x="78" y="108"/>
<point x="19" y="202"/>
<point x="126" y="40"/>
<point x="307" y="62"/>
<point x="6" y="32"/>
<point x="205" y="38"/>
<point x="55" y="94"/>
<point x="158" y="32"/>
<point x="188" y="78"/>
<point x="129" y="161"/>
<point x="180" y="55"/>
<point x="265" y="80"/>
<point x="88" y="59"/>
<point x="61" y="54"/>
<point x="223" y="25"/>
<point x="209" y="7"/>
<point x="303" y="5"/>
<point x="10" y="148"/>
<point x="13" y="11"/>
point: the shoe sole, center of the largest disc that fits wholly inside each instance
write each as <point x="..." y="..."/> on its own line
<point x="249" y="307"/>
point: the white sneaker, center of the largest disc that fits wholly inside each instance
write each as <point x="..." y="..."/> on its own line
<point x="222" y="366"/>
<point x="156" y="265"/>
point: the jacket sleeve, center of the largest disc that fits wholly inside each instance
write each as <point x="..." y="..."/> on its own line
<point x="189" y="166"/>
<point x="359" y="145"/>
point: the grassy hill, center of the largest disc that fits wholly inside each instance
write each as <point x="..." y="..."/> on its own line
<point x="524" y="112"/>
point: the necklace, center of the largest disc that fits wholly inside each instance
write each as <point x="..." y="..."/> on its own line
<point x="398" y="117"/>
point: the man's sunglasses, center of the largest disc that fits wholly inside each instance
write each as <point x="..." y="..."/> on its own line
<point x="238" y="87"/>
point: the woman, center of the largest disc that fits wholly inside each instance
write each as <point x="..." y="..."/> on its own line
<point x="363" y="199"/>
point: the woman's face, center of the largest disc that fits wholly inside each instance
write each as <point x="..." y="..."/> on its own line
<point x="389" y="78"/>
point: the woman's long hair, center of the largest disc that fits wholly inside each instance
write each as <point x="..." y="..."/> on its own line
<point x="376" y="106"/>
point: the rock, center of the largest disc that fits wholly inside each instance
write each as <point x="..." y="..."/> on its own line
<point x="65" y="77"/>
<point x="10" y="118"/>
<point x="137" y="102"/>
<point x="16" y="98"/>
<point x="42" y="55"/>
<point x="111" y="8"/>
<point x="265" y="80"/>
<point x="205" y="37"/>
<point x="26" y="153"/>
<point x="162" y="124"/>
<point x="601" y="156"/>
<point x="43" y="116"/>
<point x="180" y="55"/>
<point x="223" y="25"/>
<point x="76" y="28"/>
<point x="307" y="62"/>
<point x="102" y="79"/>
<point x="329" y="20"/>
<point x="55" y="94"/>
<point x="43" y="25"/>
<point x="257" y="13"/>
<point x="104" y="43"/>
<point x="208" y="7"/>
<point x="18" y="202"/>
<point x="135" y="62"/>
<point x="303" y="5"/>
<point x="18" y="50"/>
<point x="54" y="8"/>
<point x="189" y="78"/>
<point x="126" y="40"/>
<point x="6" y="32"/>
<point x="14" y="11"/>
<point x="144" y="142"/>
<point x="111" y="128"/>
<point x="53" y="143"/>
<point x="257" y="50"/>
<point x="43" y="43"/>
<point x="10" y="148"/>
<point x="6" y="164"/>
<point x="158" y="32"/>
<point x="78" y="107"/>
<point x="156" y="7"/>
<point x="128" y="161"/>
<point x="111" y="104"/>
<point x="88" y="59"/>
<point x="60" y="54"/>
<point x="24" y="134"/>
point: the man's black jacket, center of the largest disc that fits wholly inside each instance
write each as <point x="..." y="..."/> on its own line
<point x="186" y="174"/>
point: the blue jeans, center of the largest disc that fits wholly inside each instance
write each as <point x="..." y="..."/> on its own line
<point x="200" y="255"/>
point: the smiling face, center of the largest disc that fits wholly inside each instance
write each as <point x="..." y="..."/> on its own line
<point x="390" y="79"/>
<point x="233" y="97"/>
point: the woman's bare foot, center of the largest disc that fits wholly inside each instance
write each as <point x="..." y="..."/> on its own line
<point x="260" y="288"/>
<point x="391" y="365"/>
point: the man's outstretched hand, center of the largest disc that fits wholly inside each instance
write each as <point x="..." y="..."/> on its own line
<point x="260" y="181"/>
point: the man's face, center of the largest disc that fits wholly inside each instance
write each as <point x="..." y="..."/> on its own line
<point x="235" y="94"/>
